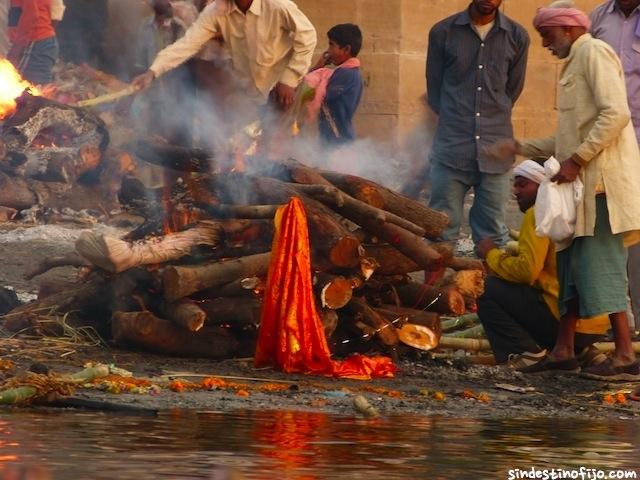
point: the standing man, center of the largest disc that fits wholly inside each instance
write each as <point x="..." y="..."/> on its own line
<point x="595" y="142"/>
<point x="271" y="43"/>
<point x="475" y="73"/>
<point x="34" y="48"/>
<point x="617" y="23"/>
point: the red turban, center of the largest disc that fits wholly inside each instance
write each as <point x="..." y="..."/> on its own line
<point x="561" y="17"/>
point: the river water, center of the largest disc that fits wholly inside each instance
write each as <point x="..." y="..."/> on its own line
<point x="306" y="446"/>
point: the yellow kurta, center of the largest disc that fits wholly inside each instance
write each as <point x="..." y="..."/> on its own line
<point x="273" y="42"/>
<point x="535" y="265"/>
<point x="594" y="122"/>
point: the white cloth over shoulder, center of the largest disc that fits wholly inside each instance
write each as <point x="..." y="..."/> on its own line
<point x="556" y="206"/>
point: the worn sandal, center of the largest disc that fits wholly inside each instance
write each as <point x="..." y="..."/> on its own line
<point x="570" y="365"/>
<point x="609" y="372"/>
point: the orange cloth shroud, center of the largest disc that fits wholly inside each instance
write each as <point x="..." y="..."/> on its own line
<point x="291" y="337"/>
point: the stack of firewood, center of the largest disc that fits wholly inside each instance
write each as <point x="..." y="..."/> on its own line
<point x="189" y="279"/>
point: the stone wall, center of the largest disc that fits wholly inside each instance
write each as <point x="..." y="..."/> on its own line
<point x="394" y="57"/>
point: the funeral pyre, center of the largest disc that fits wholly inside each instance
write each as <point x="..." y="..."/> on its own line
<point x="189" y="279"/>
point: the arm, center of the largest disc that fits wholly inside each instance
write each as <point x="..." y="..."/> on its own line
<point x="517" y="70"/>
<point x="204" y="29"/>
<point x="604" y="75"/>
<point x="526" y="267"/>
<point x="538" y="147"/>
<point x="304" y="44"/>
<point x="435" y="69"/>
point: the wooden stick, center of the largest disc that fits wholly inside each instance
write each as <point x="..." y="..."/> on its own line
<point x="464" y="344"/>
<point x="610" y="346"/>
<point x="108" y="97"/>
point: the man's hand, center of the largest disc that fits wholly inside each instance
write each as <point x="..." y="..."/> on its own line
<point x="569" y="170"/>
<point x="285" y="95"/>
<point x="503" y="149"/>
<point x="142" y="81"/>
<point x="484" y="246"/>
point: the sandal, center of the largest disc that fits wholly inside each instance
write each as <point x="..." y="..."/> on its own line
<point x="591" y="356"/>
<point x="607" y="371"/>
<point x="569" y="365"/>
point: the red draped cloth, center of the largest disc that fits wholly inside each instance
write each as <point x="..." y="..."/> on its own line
<point x="291" y="336"/>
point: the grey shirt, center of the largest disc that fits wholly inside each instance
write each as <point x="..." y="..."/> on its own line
<point x="623" y="35"/>
<point x="472" y="85"/>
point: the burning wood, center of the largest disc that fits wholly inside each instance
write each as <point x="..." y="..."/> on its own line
<point x="190" y="279"/>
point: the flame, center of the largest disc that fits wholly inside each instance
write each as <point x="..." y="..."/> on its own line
<point x="11" y="87"/>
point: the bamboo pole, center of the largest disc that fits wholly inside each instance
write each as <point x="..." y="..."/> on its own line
<point x="471" y="344"/>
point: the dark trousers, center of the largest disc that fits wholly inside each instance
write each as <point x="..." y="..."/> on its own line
<point x="516" y="319"/>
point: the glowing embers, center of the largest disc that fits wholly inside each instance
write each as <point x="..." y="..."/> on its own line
<point x="11" y="87"/>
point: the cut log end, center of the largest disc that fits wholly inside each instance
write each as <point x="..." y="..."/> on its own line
<point x="346" y="252"/>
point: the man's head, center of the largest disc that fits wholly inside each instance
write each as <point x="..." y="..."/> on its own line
<point x="627" y="6"/>
<point x="486" y="7"/>
<point x="560" y="26"/>
<point x="345" y="41"/>
<point x="527" y="178"/>
<point x="162" y="9"/>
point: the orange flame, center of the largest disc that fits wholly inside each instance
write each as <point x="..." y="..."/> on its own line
<point x="11" y="87"/>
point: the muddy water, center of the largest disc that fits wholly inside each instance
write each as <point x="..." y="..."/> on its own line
<point x="306" y="446"/>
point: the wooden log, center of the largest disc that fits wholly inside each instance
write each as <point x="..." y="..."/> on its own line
<point x="242" y="287"/>
<point x="466" y="263"/>
<point x="390" y="260"/>
<point x="232" y="311"/>
<point x="348" y="206"/>
<point x="470" y="283"/>
<point x="179" y="282"/>
<point x="441" y="300"/>
<point x="147" y="331"/>
<point x="177" y="158"/>
<point x="331" y="241"/>
<point x="69" y="260"/>
<point x="88" y="294"/>
<point x="186" y="314"/>
<point x="430" y="320"/>
<point x="333" y="291"/>
<point x="16" y="193"/>
<point x="384" y="331"/>
<point x="115" y="255"/>
<point x="241" y="211"/>
<point x="433" y="222"/>
<point x="407" y="242"/>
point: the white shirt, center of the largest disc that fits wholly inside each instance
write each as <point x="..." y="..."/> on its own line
<point x="57" y="10"/>
<point x="273" y="42"/>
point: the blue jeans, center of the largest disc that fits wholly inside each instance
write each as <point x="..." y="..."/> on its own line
<point x="37" y="60"/>
<point x="486" y="217"/>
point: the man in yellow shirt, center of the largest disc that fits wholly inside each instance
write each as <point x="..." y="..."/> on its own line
<point x="519" y="309"/>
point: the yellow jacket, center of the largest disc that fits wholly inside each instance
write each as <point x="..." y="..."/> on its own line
<point x="535" y="265"/>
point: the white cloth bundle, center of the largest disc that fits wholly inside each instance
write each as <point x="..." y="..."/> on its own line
<point x="556" y="206"/>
